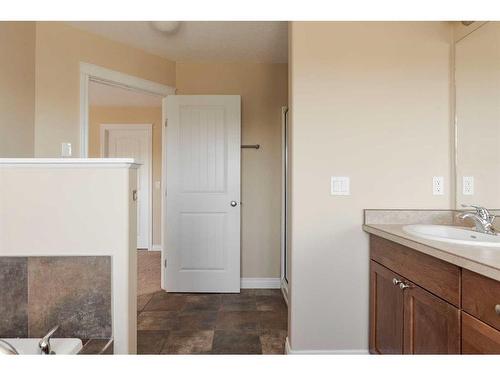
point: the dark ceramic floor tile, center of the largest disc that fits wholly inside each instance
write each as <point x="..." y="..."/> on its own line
<point x="273" y="320"/>
<point x="238" y="320"/>
<point x="189" y="342"/>
<point x="13" y="297"/>
<point x="203" y="302"/>
<point x="271" y="303"/>
<point x="62" y="291"/>
<point x="157" y="321"/>
<point x="236" y="342"/>
<point x="197" y="320"/>
<point x="268" y="292"/>
<point x="142" y="301"/>
<point x="163" y="301"/>
<point x="232" y="302"/>
<point x="151" y="342"/>
<point x="273" y="341"/>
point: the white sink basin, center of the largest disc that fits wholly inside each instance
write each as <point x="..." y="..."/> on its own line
<point x="58" y="346"/>
<point x="458" y="235"/>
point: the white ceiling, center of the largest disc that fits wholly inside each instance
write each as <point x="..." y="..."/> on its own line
<point x="201" y="41"/>
<point x="110" y="96"/>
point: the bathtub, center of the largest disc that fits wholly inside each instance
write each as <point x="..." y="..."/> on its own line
<point x="59" y="346"/>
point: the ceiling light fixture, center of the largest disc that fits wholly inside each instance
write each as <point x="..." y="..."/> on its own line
<point x="166" y="27"/>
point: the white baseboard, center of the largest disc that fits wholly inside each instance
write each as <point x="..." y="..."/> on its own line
<point x="289" y="350"/>
<point x="260" y="283"/>
<point x="156" y="248"/>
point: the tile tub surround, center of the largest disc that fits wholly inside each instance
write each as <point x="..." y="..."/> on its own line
<point x="13" y="297"/>
<point x="73" y="292"/>
<point x="252" y="322"/>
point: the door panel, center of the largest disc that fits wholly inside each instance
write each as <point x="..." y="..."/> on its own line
<point x="203" y="178"/>
<point x="431" y="325"/>
<point x="134" y="141"/>
<point x="386" y="311"/>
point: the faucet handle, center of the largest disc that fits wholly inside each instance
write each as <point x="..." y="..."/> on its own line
<point x="44" y="343"/>
<point x="481" y="211"/>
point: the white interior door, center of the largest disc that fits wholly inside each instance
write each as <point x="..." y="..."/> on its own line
<point x="203" y="193"/>
<point x="134" y="141"/>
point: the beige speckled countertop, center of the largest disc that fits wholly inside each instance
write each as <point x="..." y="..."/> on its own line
<point x="480" y="259"/>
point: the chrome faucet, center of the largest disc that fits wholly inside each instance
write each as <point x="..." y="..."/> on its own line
<point x="44" y="343"/>
<point x="482" y="219"/>
<point x="7" y="348"/>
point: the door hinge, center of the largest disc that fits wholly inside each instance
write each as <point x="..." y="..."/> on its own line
<point x="166" y="121"/>
<point x="165" y="263"/>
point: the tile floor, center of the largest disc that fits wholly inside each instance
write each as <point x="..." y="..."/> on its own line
<point x="252" y="322"/>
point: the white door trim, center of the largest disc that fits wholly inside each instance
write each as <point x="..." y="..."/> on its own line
<point x="90" y="72"/>
<point x="284" y="166"/>
<point x="149" y="129"/>
<point x="289" y="350"/>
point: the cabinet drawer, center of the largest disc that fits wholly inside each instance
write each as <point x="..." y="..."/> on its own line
<point x="435" y="275"/>
<point x="478" y="337"/>
<point x="480" y="296"/>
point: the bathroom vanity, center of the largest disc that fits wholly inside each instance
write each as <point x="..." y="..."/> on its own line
<point x="431" y="297"/>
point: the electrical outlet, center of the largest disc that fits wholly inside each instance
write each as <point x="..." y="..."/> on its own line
<point x="437" y="185"/>
<point x="65" y="150"/>
<point x="468" y="185"/>
<point x="340" y="186"/>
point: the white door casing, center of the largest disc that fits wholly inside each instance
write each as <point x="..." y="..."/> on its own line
<point x="203" y="193"/>
<point x="134" y="141"/>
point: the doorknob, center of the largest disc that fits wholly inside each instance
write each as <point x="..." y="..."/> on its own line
<point x="234" y="203"/>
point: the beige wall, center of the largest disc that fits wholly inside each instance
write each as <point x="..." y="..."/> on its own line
<point x="132" y="115"/>
<point x="17" y="88"/>
<point x="369" y="100"/>
<point x="263" y="90"/>
<point x="59" y="50"/>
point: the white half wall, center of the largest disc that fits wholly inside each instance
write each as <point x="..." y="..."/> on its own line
<point x="76" y="207"/>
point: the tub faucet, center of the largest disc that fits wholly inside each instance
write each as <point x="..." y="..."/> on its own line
<point x="7" y="348"/>
<point x="44" y="343"/>
<point x="482" y="219"/>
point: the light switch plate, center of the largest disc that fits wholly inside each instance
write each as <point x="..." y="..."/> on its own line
<point x="340" y="186"/>
<point x="65" y="150"/>
<point x="438" y="185"/>
<point x="468" y="185"/>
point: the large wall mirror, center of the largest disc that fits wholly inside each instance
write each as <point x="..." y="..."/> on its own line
<point x="477" y="83"/>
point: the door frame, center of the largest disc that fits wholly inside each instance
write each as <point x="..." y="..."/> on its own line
<point x="95" y="73"/>
<point x="103" y="128"/>
<point x="284" y="282"/>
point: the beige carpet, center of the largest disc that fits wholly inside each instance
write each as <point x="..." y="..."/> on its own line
<point x="148" y="271"/>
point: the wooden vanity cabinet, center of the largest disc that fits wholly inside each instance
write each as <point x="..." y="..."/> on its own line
<point x="386" y="311"/>
<point x="422" y="305"/>
<point x="410" y="320"/>
<point x="431" y="325"/>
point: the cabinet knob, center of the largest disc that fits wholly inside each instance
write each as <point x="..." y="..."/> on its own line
<point x="404" y="286"/>
<point x="497" y="309"/>
<point x="396" y="281"/>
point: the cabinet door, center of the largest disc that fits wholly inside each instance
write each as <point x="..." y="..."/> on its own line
<point x="478" y="337"/>
<point x="431" y="325"/>
<point x="386" y="311"/>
